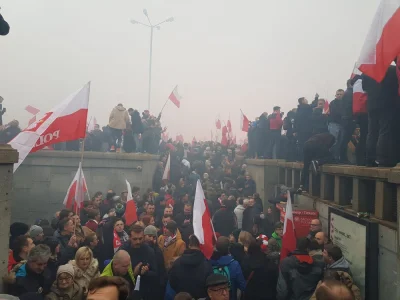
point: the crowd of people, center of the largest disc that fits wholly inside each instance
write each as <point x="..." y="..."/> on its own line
<point x="94" y="252"/>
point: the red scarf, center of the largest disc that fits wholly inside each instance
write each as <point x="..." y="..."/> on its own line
<point x="116" y="242"/>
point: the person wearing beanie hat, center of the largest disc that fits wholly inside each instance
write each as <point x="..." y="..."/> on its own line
<point x="65" y="287"/>
<point x="36" y="233"/>
<point x="17" y="229"/>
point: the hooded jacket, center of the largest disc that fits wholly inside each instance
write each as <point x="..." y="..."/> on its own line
<point x="340" y="265"/>
<point x="237" y="280"/>
<point x="172" y="250"/>
<point x="82" y="278"/>
<point x="298" y="277"/>
<point x="224" y="221"/>
<point x="189" y="274"/>
<point x="75" y="292"/>
<point x="119" y="118"/>
<point x="66" y="252"/>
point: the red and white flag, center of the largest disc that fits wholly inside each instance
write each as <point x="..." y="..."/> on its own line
<point x="32" y="110"/>
<point x="382" y="44"/>
<point x="175" y="97"/>
<point x="116" y="241"/>
<point x="325" y="110"/>
<point x="130" y="210"/>
<point x="218" y="124"/>
<point x="92" y="124"/>
<point x="360" y="98"/>
<point x="244" y="122"/>
<point x="202" y="224"/>
<point x="167" y="169"/>
<point x="65" y="122"/>
<point x="224" y="138"/>
<point x="289" y="236"/>
<point x="76" y="191"/>
<point x="229" y="126"/>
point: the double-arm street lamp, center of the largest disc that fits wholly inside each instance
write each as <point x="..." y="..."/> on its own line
<point x="151" y="26"/>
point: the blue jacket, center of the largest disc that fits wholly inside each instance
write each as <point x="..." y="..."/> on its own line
<point x="236" y="276"/>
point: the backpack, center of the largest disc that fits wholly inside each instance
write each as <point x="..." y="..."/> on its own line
<point x="223" y="270"/>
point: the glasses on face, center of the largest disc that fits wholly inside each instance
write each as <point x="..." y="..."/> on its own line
<point x="221" y="290"/>
<point x="64" y="278"/>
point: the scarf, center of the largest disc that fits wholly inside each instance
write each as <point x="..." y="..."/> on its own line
<point x="116" y="242"/>
<point x="169" y="240"/>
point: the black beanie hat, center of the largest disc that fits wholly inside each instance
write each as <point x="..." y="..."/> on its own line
<point x="18" y="228"/>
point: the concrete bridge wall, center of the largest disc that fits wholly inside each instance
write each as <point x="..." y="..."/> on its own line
<point x="41" y="182"/>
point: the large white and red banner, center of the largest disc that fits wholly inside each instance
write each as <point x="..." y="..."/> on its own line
<point x="65" y="122"/>
<point x="244" y="122"/>
<point x="167" y="169"/>
<point x="382" y="44"/>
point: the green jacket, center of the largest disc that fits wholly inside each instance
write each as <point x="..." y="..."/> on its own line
<point x="108" y="271"/>
<point x="278" y="239"/>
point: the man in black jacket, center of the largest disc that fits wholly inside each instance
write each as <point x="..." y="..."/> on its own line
<point x="299" y="273"/>
<point x="288" y="125"/>
<point x="335" y="120"/>
<point x="302" y="125"/>
<point x="143" y="257"/>
<point x="224" y="219"/>
<point x="4" y="27"/>
<point x="383" y="99"/>
<point x="190" y="271"/>
<point x="316" y="153"/>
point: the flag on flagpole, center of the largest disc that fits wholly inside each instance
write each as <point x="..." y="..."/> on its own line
<point x="218" y="124"/>
<point x="325" y="110"/>
<point x="175" y="97"/>
<point x="130" y="210"/>
<point x="65" y="122"/>
<point x="244" y="122"/>
<point x="202" y="225"/>
<point x="382" y="44"/>
<point x="360" y="98"/>
<point x="167" y="169"/>
<point x="229" y="126"/>
<point x="224" y="138"/>
<point x="76" y="191"/>
<point x="92" y="124"/>
<point x="32" y="110"/>
<point x="289" y="236"/>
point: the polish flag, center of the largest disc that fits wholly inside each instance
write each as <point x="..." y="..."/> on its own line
<point x="202" y="224"/>
<point x="32" y="110"/>
<point x="32" y="120"/>
<point x="175" y="97"/>
<point x="224" y="138"/>
<point x="218" y="124"/>
<point x="360" y="98"/>
<point x="325" y="110"/>
<point x="244" y="122"/>
<point x="65" y="122"/>
<point x="382" y="44"/>
<point x="229" y="126"/>
<point x="130" y="211"/>
<point x="76" y="191"/>
<point x="92" y="124"/>
<point x="167" y="169"/>
<point x="289" y="236"/>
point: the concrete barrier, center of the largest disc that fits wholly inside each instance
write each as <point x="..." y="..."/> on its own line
<point x="41" y="182"/>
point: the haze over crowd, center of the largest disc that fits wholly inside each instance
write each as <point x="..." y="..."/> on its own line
<point x="224" y="55"/>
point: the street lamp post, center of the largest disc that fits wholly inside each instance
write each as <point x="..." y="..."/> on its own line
<point x="151" y="26"/>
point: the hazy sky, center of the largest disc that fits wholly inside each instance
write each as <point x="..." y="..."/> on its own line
<point x="225" y="55"/>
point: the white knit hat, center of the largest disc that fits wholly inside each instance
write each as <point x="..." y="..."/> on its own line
<point x="69" y="269"/>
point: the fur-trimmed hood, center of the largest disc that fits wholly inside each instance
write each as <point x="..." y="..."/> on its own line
<point x="91" y="271"/>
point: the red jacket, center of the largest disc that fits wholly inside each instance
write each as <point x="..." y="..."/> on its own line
<point x="11" y="260"/>
<point x="275" y="121"/>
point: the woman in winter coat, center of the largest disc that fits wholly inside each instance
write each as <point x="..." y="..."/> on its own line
<point x="65" y="288"/>
<point x="85" y="267"/>
<point x="261" y="274"/>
